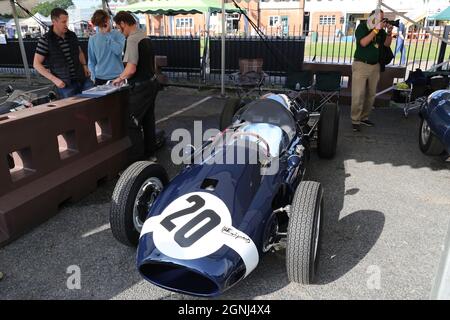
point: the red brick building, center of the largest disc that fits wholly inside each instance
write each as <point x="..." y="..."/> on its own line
<point x="273" y="17"/>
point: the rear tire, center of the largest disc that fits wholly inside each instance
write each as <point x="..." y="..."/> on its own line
<point x="328" y="130"/>
<point x="304" y="233"/>
<point x="134" y="179"/>
<point x="229" y="110"/>
<point x="428" y="142"/>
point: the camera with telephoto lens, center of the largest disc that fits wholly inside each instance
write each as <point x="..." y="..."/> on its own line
<point x="394" y="23"/>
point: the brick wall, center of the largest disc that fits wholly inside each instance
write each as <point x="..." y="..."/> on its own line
<point x="315" y="21"/>
<point x="295" y="20"/>
<point x="161" y="25"/>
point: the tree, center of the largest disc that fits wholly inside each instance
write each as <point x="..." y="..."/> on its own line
<point x="6" y="16"/>
<point x="45" y="8"/>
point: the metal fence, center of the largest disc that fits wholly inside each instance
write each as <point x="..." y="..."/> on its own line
<point x="10" y="56"/>
<point x="282" y="50"/>
<point x="422" y="50"/>
<point x="279" y="54"/>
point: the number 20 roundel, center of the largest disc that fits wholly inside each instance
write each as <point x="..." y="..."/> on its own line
<point x="190" y="227"/>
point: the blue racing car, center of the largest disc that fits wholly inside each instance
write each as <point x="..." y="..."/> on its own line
<point x="240" y="196"/>
<point x="434" y="132"/>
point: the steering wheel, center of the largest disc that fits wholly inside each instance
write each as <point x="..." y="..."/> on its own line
<point x="255" y="135"/>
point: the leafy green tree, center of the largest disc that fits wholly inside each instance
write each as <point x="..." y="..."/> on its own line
<point x="45" y="8"/>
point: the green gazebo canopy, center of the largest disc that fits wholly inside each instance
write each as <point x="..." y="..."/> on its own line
<point x="444" y="15"/>
<point x="174" y="7"/>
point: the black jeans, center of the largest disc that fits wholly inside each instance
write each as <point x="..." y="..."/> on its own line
<point x="141" y="120"/>
<point x="99" y="82"/>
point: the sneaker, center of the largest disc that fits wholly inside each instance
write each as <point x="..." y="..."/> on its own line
<point x="356" y="127"/>
<point x="367" y="123"/>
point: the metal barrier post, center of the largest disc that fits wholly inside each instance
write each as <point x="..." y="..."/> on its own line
<point x="443" y="46"/>
<point x="22" y="48"/>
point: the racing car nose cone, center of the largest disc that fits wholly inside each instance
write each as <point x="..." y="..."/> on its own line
<point x="206" y="277"/>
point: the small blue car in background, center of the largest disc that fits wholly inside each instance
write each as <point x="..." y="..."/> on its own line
<point x="434" y="132"/>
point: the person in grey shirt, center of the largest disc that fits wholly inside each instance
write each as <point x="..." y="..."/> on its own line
<point x="139" y="59"/>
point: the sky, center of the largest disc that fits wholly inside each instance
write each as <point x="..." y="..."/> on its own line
<point x="86" y="3"/>
<point x="96" y="3"/>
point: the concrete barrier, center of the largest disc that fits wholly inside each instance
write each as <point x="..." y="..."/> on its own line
<point x="61" y="151"/>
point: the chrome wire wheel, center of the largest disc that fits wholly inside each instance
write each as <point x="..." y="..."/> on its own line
<point x="145" y="198"/>
<point x="425" y="133"/>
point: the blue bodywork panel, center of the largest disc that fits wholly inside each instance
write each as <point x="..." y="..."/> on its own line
<point x="437" y="113"/>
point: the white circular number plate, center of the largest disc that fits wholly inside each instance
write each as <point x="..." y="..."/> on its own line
<point x="196" y="225"/>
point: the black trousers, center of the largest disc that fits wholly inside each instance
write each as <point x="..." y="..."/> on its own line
<point x="141" y="120"/>
<point x="99" y="82"/>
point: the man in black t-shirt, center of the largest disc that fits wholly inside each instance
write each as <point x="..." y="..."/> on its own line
<point x="59" y="47"/>
<point x="139" y="60"/>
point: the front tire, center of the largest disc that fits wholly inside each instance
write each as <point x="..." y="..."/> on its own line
<point x="133" y="195"/>
<point x="328" y="130"/>
<point x="428" y="142"/>
<point x="304" y="232"/>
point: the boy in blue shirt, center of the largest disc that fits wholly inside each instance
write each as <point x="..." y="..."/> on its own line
<point x="105" y="50"/>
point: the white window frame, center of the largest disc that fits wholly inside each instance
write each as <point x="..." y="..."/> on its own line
<point x="326" y="20"/>
<point x="184" y="23"/>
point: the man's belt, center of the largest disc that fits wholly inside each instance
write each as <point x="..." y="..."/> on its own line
<point x="365" y="61"/>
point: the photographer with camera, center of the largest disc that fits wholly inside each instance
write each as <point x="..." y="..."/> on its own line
<point x="366" y="66"/>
